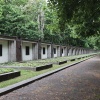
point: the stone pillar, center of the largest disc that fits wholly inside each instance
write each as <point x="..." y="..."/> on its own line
<point x="52" y="52"/>
<point x="35" y="51"/>
<point x="65" y="51"/>
<point x="39" y="49"/>
<point x="12" y="50"/>
<point x="81" y="51"/>
<point x="48" y="51"/>
<point x="58" y="51"/>
<point x="84" y="51"/>
<point x="73" y="51"/>
<point x="70" y="51"/>
<point x="78" y="50"/>
<point x="88" y="51"/>
<point x="18" y="49"/>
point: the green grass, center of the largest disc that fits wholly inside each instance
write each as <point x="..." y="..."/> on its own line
<point x="26" y="74"/>
<point x="5" y="70"/>
<point x="41" y="62"/>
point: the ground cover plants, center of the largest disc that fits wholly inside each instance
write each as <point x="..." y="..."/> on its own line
<point x="41" y="62"/>
<point x="5" y="70"/>
<point x="26" y="74"/>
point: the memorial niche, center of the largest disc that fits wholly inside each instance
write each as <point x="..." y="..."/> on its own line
<point x="54" y="50"/>
<point x="27" y="50"/>
<point x="43" y="50"/>
<point x="0" y="50"/>
<point x="62" y="51"/>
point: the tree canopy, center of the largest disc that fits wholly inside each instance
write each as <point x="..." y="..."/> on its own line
<point x="85" y="14"/>
<point x="69" y="22"/>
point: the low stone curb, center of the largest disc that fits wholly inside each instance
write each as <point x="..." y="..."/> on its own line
<point x="42" y="67"/>
<point x="10" y="75"/>
<point x="62" y="62"/>
<point x="18" y="85"/>
<point x="72" y="60"/>
<point x="79" y="58"/>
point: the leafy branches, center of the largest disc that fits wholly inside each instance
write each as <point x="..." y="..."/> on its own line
<point x="81" y="11"/>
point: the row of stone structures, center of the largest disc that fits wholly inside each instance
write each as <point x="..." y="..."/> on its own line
<point x="15" y="49"/>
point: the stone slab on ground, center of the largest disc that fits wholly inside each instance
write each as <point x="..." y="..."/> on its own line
<point x="62" y="62"/>
<point x="10" y="75"/>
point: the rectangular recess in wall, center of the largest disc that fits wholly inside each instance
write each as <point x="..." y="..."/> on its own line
<point x="43" y="50"/>
<point x="54" y="50"/>
<point x="0" y="50"/>
<point x="27" y="50"/>
<point x="62" y="51"/>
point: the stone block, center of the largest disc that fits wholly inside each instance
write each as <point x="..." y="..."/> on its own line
<point x="10" y="75"/>
<point x="42" y="67"/>
<point x="62" y="62"/>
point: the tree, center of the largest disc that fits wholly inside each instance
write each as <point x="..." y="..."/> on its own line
<point x="34" y="19"/>
<point x="51" y="29"/>
<point x="85" y="13"/>
<point x="19" y="18"/>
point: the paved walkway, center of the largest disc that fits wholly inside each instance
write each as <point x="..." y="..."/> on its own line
<point x="79" y="82"/>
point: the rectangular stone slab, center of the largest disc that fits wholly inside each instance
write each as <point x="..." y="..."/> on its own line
<point x="43" y="67"/>
<point x="62" y="62"/>
<point x="79" y="58"/>
<point x="7" y="76"/>
<point x="72" y="60"/>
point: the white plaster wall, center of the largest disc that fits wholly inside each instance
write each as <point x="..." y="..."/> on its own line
<point x="63" y="54"/>
<point x="24" y="56"/>
<point x="70" y="52"/>
<point x="74" y="51"/>
<point x="55" y="55"/>
<point x="12" y="51"/>
<point x="44" y="56"/>
<point x="35" y="51"/>
<point x="80" y="52"/>
<point x="85" y="52"/>
<point x="77" y="52"/>
<point x="4" y="57"/>
<point x="49" y="51"/>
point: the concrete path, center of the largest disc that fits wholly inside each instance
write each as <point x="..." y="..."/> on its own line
<point x="79" y="82"/>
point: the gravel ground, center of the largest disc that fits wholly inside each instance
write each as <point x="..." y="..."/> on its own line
<point x="79" y="82"/>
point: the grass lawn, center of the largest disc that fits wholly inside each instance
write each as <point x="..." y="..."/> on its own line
<point x="25" y="74"/>
<point x="41" y="62"/>
<point x="5" y="70"/>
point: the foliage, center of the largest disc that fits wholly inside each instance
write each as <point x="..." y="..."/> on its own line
<point x="85" y="13"/>
<point x="82" y="18"/>
<point x="69" y="22"/>
<point x="7" y="70"/>
<point x="19" y="18"/>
